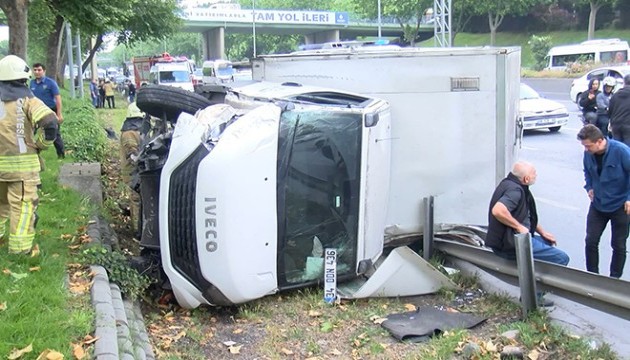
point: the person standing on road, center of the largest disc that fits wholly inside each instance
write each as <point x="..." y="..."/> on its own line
<point x="603" y="100"/>
<point x="588" y="102"/>
<point x="101" y="94"/>
<point x="21" y="113"/>
<point x="607" y="178"/>
<point x="619" y="112"/>
<point x="47" y="90"/>
<point x="513" y="211"/>
<point x="94" y="92"/>
<point x="131" y="91"/>
<point x="109" y="94"/>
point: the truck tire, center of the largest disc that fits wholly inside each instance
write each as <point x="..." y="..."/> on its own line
<point x="161" y="100"/>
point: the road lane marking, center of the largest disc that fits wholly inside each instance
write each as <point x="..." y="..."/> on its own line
<point x="557" y="204"/>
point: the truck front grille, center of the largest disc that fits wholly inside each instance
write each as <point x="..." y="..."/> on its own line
<point x="181" y="219"/>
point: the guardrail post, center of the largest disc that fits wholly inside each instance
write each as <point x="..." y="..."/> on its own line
<point x="525" y="266"/>
<point x="427" y="235"/>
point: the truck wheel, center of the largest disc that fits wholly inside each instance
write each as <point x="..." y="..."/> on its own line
<point x="161" y="100"/>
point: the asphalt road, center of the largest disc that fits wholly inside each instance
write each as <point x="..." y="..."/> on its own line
<point x="561" y="199"/>
<point x="562" y="205"/>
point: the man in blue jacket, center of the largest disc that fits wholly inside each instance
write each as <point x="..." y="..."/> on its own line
<point x="47" y="90"/>
<point x="607" y="176"/>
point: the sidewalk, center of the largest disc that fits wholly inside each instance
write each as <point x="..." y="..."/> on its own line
<point x="576" y="318"/>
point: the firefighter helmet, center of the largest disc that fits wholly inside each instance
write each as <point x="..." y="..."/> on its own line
<point x="609" y="81"/>
<point x="133" y="111"/>
<point x="13" y="68"/>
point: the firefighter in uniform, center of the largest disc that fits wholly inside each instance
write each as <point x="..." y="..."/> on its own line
<point x="130" y="142"/>
<point x="27" y="126"/>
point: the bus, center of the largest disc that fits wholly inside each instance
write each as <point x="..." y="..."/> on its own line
<point x="605" y="51"/>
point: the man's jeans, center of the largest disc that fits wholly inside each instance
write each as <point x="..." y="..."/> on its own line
<point x="596" y="222"/>
<point x="541" y="251"/>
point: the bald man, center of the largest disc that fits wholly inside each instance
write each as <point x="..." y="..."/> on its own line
<point x="513" y="211"/>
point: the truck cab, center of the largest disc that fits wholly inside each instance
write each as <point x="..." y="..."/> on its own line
<point x="176" y="74"/>
<point x="254" y="190"/>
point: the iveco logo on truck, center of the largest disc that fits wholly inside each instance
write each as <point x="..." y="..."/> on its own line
<point x="211" y="224"/>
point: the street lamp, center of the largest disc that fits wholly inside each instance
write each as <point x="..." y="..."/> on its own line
<point x="254" y="24"/>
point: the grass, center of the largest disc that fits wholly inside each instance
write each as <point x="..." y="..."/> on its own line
<point x="521" y="39"/>
<point x="36" y="304"/>
<point x="299" y="324"/>
<point x="39" y="308"/>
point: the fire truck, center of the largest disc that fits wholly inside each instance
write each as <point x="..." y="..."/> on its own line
<point x="163" y="69"/>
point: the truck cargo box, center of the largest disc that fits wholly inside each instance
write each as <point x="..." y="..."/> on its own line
<point x="454" y="116"/>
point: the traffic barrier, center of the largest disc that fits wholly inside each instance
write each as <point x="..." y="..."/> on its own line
<point x="600" y="292"/>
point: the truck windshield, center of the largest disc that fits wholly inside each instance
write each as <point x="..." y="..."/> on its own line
<point x="319" y="155"/>
<point x="174" y="76"/>
<point x="225" y="70"/>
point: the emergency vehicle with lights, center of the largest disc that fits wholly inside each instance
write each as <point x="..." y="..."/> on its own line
<point x="163" y="69"/>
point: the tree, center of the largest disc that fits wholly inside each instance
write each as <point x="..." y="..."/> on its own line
<point x="16" y="12"/>
<point x="407" y="13"/>
<point x="595" y="5"/>
<point x="462" y="11"/>
<point x="497" y="10"/>
<point x="187" y="44"/>
<point x="131" y="20"/>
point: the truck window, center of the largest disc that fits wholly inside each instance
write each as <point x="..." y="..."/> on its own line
<point x="319" y="156"/>
<point x="225" y="70"/>
<point x="174" y="76"/>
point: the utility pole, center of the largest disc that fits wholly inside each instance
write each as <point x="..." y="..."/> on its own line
<point x="254" y="24"/>
<point x="69" y="56"/>
<point x="379" y="18"/>
<point x="442" y="23"/>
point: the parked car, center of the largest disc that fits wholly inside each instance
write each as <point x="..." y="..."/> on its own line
<point x="538" y="113"/>
<point x="580" y="84"/>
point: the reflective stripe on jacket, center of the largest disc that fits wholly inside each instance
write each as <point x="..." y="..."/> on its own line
<point x="18" y="143"/>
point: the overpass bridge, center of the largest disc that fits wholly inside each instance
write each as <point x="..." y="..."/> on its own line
<point x="315" y="26"/>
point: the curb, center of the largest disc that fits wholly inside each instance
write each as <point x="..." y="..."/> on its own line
<point x="119" y="325"/>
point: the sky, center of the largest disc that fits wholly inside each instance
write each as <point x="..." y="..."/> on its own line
<point x="4" y="33"/>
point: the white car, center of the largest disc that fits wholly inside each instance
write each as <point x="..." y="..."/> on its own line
<point x="579" y="85"/>
<point x="538" y="113"/>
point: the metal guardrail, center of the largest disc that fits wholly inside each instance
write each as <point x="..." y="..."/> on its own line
<point x="597" y="291"/>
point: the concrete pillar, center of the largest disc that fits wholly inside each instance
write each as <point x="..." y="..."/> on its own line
<point x="321" y="37"/>
<point x="214" y="44"/>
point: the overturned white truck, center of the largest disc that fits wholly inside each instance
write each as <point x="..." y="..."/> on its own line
<point x="455" y="129"/>
<point x="254" y="189"/>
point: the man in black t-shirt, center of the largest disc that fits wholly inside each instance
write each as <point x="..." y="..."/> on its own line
<point x="513" y="211"/>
